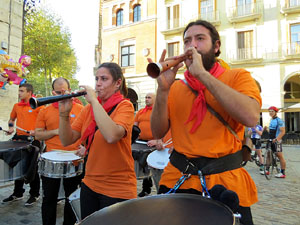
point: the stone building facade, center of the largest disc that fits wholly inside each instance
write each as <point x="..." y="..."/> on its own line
<point x="11" y="23"/>
<point x="262" y="36"/>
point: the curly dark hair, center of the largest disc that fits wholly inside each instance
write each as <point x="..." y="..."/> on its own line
<point x="214" y="34"/>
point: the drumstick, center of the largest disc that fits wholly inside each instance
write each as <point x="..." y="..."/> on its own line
<point x="6" y="131"/>
<point x="19" y="128"/>
<point x="168" y="142"/>
<point x="141" y="142"/>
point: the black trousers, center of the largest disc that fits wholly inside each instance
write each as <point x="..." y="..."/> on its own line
<point x="91" y="201"/>
<point x="244" y="211"/>
<point x="34" y="186"/>
<point x="50" y="193"/>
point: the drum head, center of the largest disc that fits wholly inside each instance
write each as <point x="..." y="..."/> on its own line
<point x="158" y="159"/>
<point x="165" y="209"/>
<point x="60" y="156"/>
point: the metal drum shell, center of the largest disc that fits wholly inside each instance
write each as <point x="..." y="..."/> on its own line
<point x="74" y="200"/>
<point x="21" y="149"/>
<point x="140" y="153"/>
<point x="60" y="169"/>
<point x="164" y="209"/>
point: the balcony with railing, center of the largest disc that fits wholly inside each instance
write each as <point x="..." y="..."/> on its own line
<point x="245" y="12"/>
<point x="172" y="26"/>
<point x="213" y="17"/>
<point x="291" y="6"/>
<point x="245" y="55"/>
<point x="291" y="49"/>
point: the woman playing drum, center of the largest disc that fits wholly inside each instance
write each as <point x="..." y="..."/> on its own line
<point x="105" y="127"/>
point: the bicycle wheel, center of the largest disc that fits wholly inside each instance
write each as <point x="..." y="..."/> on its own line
<point x="256" y="159"/>
<point x="276" y="162"/>
<point x="268" y="164"/>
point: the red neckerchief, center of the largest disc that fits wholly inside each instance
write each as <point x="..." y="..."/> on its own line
<point x="109" y="104"/>
<point x="199" y="106"/>
<point x="146" y="109"/>
<point x="23" y="103"/>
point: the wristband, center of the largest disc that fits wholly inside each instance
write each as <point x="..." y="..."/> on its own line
<point x="64" y="115"/>
<point x="10" y="125"/>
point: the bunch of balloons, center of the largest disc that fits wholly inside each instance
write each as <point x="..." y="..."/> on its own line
<point x="13" y="72"/>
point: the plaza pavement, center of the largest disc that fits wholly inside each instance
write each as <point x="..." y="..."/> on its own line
<point x="279" y="199"/>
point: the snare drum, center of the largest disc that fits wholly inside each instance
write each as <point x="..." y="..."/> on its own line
<point x="74" y="200"/>
<point x="14" y="160"/>
<point x="157" y="161"/>
<point x="165" y="209"/>
<point x="60" y="164"/>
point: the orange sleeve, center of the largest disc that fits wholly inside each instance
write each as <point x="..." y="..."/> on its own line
<point x="244" y="83"/>
<point x="137" y="116"/>
<point x="84" y="117"/>
<point x="40" y="121"/>
<point x="124" y="117"/>
<point x="13" y="114"/>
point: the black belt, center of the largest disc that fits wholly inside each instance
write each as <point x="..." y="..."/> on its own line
<point x="206" y="165"/>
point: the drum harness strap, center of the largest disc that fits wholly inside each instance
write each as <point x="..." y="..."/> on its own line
<point x="202" y="166"/>
<point x="96" y="128"/>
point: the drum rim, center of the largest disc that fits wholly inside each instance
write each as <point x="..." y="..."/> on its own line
<point x="160" y="196"/>
<point x="28" y="144"/>
<point x="60" y="161"/>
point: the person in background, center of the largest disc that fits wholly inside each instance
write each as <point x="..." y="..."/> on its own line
<point x="256" y="133"/>
<point x="197" y="133"/>
<point x="105" y="127"/>
<point x="26" y="118"/>
<point x="276" y="132"/>
<point x="142" y="120"/>
<point x="47" y="130"/>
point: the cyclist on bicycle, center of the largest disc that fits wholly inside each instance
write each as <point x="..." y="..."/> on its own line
<point x="276" y="132"/>
<point x="256" y="133"/>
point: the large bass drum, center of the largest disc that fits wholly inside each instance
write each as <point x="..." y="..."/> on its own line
<point x="14" y="160"/>
<point x="165" y="209"/>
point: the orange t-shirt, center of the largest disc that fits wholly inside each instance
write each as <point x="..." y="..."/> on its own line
<point x="110" y="167"/>
<point x="143" y="120"/>
<point x="212" y="138"/>
<point x="48" y="119"/>
<point x="26" y="117"/>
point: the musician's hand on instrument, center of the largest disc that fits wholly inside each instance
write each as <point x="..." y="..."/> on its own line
<point x="32" y="133"/>
<point x="90" y="93"/>
<point x="65" y="106"/>
<point x="159" y="144"/>
<point x="194" y="62"/>
<point x="10" y="131"/>
<point x="166" y="79"/>
<point x="81" y="151"/>
<point x="151" y="143"/>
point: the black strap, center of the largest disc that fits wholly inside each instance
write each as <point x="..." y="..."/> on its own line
<point x="216" y="114"/>
<point x="206" y="165"/>
<point x="96" y="128"/>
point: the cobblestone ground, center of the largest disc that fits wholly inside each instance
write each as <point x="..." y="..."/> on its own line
<point x="279" y="199"/>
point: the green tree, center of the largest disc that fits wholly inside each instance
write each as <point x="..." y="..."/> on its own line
<point x="49" y="46"/>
